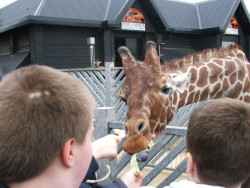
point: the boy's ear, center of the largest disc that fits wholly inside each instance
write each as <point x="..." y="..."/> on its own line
<point x="190" y="163"/>
<point x="68" y="153"/>
<point x="192" y="172"/>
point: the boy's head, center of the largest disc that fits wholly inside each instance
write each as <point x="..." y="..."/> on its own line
<point x="218" y="139"/>
<point x="40" y="109"/>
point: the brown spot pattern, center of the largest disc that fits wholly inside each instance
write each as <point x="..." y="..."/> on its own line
<point x="182" y="99"/>
<point x="215" y="90"/>
<point x="206" y="70"/>
<point x="204" y="94"/>
<point x="221" y="77"/>
<point x="203" y="74"/>
<point x="246" y="86"/>
<point x="162" y="114"/>
<point x="215" y="72"/>
<point x="196" y="96"/>
<point x="157" y="130"/>
<point x="234" y="93"/>
<point x="191" y="88"/>
<point x="218" y="95"/>
<point x="229" y="67"/>
<point x="241" y="71"/>
<point x="190" y="98"/>
<point x="218" y="61"/>
<point x="152" y="124"/>
<point x="225" y="85"/>
<point x="193" y="75"/>
<point x="175" y="98"/>
<point x="232" y="78"/>
<point x="170" y="115"/>
<point x="231" y="55"/>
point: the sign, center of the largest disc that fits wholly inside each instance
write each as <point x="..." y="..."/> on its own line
<point x="232" y="28"/>
<point x="133" y="20"/>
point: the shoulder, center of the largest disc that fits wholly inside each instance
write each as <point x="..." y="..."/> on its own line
<point x="3" y="185"/>
<point x="189" y="184"/>
<point x="116" y="183"/>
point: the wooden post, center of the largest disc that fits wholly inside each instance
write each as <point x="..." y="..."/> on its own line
<point x="109" y="83"/>
<point x="103" y="116"/>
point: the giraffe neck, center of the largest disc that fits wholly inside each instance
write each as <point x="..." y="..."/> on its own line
<point x="227" y="76"/>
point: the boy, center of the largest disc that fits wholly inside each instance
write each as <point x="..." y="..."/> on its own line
<point x="218" y="145"/>
<point x="45" y="130"/>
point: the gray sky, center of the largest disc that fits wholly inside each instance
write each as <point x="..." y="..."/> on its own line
<point x="247" y="2"/>
<point x="6" y="2"/>
<point x="3" y="3"/>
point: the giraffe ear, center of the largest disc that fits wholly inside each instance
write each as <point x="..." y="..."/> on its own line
<point x="127" y="58"/>
<point x="179" y="82"/>
<point x="151" y="56"/>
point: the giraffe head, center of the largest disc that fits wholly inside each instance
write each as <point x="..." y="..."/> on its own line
<point x="148" y="93"/>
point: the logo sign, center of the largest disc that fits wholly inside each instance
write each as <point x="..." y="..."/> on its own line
<point x="133" y="20"/>
<point x="232" y="28"/>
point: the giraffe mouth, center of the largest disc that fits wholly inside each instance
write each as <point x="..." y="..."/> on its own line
<point x="142" y="156"/>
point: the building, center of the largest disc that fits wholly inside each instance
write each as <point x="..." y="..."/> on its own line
<point x="55" y="32"/>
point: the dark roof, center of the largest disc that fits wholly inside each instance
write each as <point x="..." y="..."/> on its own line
<point x="183" y="16"/>
<point x="1" y="73"/>
<point x="176" y="15"/>
<point x="63" y="12"/>
<point x="9" y="63"/>
<point x="244" y="16"/>
<point x="168" y="15"/>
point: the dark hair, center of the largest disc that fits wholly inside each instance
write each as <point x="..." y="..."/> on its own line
<point x="246" y="184"/>
<point x="218" y="137"/>
<point x="40" y="108"/>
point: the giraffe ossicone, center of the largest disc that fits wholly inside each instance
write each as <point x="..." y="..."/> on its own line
<point x="179" y="82"/>
<point x="154" y="90"/>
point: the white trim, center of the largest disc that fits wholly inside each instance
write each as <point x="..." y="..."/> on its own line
<point x="38" y="8"/>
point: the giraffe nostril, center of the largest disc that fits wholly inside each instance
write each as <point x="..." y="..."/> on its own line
<point x="126" y="130"/>
<point x="141" y="127"/>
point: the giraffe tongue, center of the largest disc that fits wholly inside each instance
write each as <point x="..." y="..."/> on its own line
<point x="142" y="156"/>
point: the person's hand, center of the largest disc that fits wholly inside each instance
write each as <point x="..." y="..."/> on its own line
<point x="106" y="147"/>
<point x="132" y="180"/>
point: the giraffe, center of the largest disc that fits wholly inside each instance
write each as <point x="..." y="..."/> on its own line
<point x="153" y="90"/>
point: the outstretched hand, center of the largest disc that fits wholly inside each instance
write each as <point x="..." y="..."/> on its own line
<point x="106" y="147"/>
<point x="131" y="179"/>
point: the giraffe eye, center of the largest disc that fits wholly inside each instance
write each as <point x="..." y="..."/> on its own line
<point x="166" y="90"/>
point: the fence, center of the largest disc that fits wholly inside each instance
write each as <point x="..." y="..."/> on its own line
<point x="104" y="84"/>
<point x="166" y="161"/>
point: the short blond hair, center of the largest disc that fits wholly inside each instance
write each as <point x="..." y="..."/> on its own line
<point x="40" y="108"/>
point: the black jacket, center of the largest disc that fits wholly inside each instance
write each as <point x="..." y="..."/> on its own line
<point x="117" y="183"/>
<point x="2" y="185"/>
